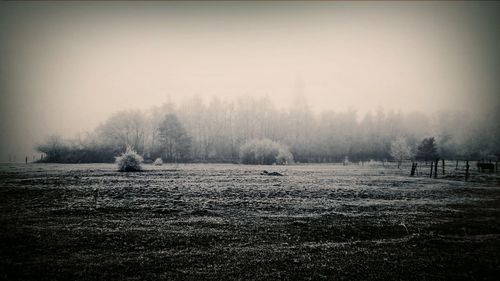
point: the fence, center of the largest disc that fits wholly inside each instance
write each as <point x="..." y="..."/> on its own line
<point x="451" y="169"/>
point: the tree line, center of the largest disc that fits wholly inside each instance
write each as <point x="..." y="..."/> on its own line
<point x="215" y="131"/>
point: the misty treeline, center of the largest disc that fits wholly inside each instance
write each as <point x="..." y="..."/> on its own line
<point x="215" y="131"/>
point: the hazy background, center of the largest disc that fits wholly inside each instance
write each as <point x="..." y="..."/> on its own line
<point x="66" y="67"/>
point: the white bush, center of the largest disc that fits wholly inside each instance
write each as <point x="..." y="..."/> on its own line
<point x="129" y="161"/>
<point x="265" y="152"/>
<point x="158" y="162"/>
<point x="284" y="156"/>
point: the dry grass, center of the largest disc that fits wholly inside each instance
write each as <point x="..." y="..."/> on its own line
<point x="187" y="222"/>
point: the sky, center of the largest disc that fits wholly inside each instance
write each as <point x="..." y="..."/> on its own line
<point x="66" y="67"/>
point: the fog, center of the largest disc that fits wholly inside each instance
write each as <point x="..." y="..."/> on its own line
<point x="67" y="67"/>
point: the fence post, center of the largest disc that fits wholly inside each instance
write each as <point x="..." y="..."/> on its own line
<point x="413" y="168"/>
<point x="436" y="168"/>
<point x="442" y="162"/>
<point x="467" y="170"/>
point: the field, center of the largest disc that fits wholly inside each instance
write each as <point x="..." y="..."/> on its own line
<point x="229" y="222"/>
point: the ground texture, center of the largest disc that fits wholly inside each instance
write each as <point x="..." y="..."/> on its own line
<point x="199" y="222"/>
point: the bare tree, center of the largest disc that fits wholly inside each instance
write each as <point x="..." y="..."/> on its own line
<point x="400" y="150"/>
<point x="175" y="142"/>
<point x="122" y="129"/>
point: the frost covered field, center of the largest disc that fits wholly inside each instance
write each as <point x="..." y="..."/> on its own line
<point x="204" y="221"/>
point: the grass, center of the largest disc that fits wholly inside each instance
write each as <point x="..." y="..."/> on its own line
<point x="192" y="222"/>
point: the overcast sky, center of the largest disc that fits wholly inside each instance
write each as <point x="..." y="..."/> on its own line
<point x="65" y="67"/>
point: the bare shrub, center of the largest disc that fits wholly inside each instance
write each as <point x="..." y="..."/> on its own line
<point x="284" y="156"/>
<point x="129" y="161"/>
<point x="265" y="152"/>
<point x="158" y="162"/>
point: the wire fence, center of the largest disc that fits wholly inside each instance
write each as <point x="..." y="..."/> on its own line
<point x="450" y="169"/>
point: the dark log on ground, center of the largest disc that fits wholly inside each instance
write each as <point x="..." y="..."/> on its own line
<point x="266" y="173"/>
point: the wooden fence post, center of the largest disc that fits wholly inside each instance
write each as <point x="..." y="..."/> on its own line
<point x="413" y="168"/>
<point x="467" y="170"/>
<point x="442" y="162"/>
<point x="436" y="168"/>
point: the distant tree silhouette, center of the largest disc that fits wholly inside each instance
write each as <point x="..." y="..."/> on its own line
<point x="175" y="142"/>
<point x="54" y="147"/>
<point x="124" y="128"/>
<point x="427" y="150"/>
<point x="216" y="131"/>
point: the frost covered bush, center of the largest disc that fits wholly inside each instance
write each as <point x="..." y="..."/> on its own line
<point x="158" y="162"/>
<point x="129" y="161"/>
<point x="284" y="156"/>
<point x="265" y="151"/>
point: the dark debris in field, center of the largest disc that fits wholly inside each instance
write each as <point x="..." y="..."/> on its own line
<point x="88" y="222"/>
